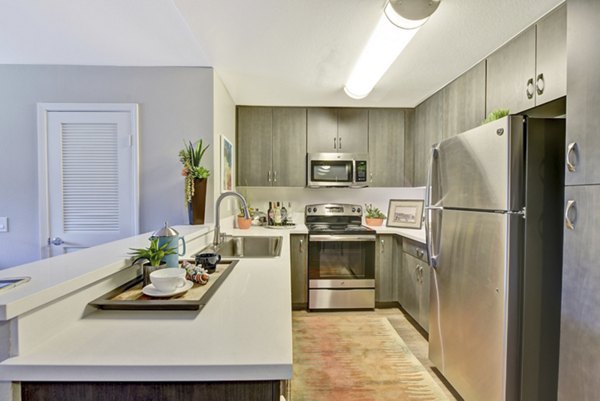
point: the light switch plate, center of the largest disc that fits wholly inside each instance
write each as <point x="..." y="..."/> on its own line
<point x="3" y="224"/>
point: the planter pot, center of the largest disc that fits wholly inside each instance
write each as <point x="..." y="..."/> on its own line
<point x="373" y="221"/>
<point x="198" y="204"/>
<point x="243" y="223"/>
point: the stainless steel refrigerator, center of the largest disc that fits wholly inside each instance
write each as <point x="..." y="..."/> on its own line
<point x="494" y="236"/>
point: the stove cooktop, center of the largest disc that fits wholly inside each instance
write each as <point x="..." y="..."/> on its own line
<point x="339" y="229"/>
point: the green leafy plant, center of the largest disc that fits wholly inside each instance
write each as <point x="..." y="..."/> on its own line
<point x="373" y="212"/>
<point x="496" y="114"/>
<point x="153" y="254"/>
<point x="191" y="156"/>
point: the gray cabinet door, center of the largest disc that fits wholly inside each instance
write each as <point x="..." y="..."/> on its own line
<point x="409" y="147"/>
<point x="289" y="147"/>
<point x="397" y="266"/>
<point x="386" y="148"/>
<point x="410" y="300"/>
<point x="464" y="102"/>
<point x="428" y="131"/>
<point x="580" y="314"/>
<point x="322" y="129"/>
<point x="299" y="266"/>
<point x="551" y="57"/>
<point x="583" y="92"/>
<point x="508" y="71"/>
<point x="353" y="130"/>
<point x="254" y="146"/>
<point x="384" y="283"/>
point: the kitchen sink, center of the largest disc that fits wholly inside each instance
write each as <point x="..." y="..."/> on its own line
<point x="238" y="246"/>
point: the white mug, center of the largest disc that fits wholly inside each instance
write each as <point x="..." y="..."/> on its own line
<point x="168" y="279"/>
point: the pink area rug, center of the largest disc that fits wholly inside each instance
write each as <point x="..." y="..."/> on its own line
<point x="352" y="358"/>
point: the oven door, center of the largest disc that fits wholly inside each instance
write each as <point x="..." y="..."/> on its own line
<point x="341" y="261"/>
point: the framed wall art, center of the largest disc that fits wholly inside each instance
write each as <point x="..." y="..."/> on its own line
<point x="405" y="213"/>
<point x="227" y="165"/>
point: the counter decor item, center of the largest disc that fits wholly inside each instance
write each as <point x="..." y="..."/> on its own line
<point x="405" y="213"/>
<point x="196" y="177"/>
<point x="191" y="296"/>
<point x="169" y="236"/>
<point x="227" y="167"/>
<point x="373" y="216"/>
<point x="154" y="255"/>
<point x="244" y="223"/>
<point x="495" y="115"/>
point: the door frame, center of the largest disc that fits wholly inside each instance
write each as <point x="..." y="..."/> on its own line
<point x="42" y="136"/>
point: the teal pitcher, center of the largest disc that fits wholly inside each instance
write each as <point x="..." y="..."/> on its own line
<point x="168" y="235"/>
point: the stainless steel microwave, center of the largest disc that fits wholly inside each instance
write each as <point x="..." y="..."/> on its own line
<point x="336" y="170"/>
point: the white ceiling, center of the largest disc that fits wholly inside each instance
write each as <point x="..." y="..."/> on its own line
<point x="267" y="52"/>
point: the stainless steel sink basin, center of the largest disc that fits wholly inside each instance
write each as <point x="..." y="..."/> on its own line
<point x="247" y="247"/>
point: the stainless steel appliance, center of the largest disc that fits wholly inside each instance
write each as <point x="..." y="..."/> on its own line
<point x="494" y="236"/>
<point x="337" y="170"/>
<point x="341" y="258"/>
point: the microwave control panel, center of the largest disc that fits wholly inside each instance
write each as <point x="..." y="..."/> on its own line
<point x="361" y="171"/>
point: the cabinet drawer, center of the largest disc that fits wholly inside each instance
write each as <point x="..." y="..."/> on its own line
<point x="415" y="249"/>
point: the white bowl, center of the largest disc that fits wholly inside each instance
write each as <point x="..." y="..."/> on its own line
<point x="168" y="279"/>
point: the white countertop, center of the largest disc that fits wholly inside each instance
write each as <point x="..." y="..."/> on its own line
<point x="414" y="234"/>
<point x="243" y="333"/>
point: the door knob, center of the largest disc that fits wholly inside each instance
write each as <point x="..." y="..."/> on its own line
<point x="55" y="241"/>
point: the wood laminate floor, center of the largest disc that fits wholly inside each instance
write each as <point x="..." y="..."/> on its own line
<point x="411" y="336"/>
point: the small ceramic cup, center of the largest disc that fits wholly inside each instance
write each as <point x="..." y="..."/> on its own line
<point x="168" y="280"/>
<point x="208" y="261"/>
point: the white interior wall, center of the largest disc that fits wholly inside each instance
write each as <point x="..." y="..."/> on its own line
<point x="175" y="103"/>
<point x="224" y="124"/>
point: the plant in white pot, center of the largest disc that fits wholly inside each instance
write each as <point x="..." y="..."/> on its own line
<point x="373" y="216"/>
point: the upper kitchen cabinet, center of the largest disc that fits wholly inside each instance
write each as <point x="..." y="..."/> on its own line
<point x="531" y="69"/>
<point x="271" y="146"/>
<point x="583" y="138"/>
<point x="337" y="130"/>
<point x="464" y="102"/>
<point x="427" y="132"/>
<point x="386" y="148"/>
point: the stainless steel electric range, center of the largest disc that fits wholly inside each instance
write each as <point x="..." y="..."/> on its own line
<point x="341" y="258"/>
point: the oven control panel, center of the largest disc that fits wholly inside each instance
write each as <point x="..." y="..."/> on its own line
<point x="333" y="209"/>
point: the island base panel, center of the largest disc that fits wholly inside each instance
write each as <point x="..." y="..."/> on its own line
<point x="170" y="391"/>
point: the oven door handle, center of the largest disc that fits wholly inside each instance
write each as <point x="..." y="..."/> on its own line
<point x="345" y="238"/>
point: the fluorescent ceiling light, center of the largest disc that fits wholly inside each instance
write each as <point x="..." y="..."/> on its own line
<point x="391" y="35"/>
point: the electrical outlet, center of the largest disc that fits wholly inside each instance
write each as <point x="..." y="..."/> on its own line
<point x="3" y="224"/>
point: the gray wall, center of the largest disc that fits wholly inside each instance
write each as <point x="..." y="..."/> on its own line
<point x="175" y="103"/>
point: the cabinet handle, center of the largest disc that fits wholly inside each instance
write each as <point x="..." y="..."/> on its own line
<point x="530" y="88"/>
<point x="335" y="143"/>
<point x="382" y="241"/>
<point x="371" y="177"/>
<point x="418" y="273"/>
<point x="301" y="246"/>
<point x="540" y="84"/>
<point x="269" y="176"/>
<point x="570" y="221"/>
<point x="274" y="176"/>
<point x="420" y="252"/>
<point x="572" y="165"/>
<point x="339" y="143"/>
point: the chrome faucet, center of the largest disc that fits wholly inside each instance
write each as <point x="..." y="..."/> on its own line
<point x="217" y="238"/>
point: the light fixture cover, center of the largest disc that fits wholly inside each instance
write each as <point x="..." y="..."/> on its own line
<point x="396" y="27"/>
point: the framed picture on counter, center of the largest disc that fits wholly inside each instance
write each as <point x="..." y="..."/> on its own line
<point x="227" y="167"/>
<point x="405" y="213"/>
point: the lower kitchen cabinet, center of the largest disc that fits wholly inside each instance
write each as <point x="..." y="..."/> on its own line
<point x="384" y="269"/>
<point x="413" y="292"/>
<point x="299" y="273"/>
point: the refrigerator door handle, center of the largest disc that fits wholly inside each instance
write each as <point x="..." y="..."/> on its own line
<point x="431" y="211"/>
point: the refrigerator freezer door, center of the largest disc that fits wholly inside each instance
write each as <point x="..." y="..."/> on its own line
<point x="481" y="168"/>
<point x="468" y="322"/>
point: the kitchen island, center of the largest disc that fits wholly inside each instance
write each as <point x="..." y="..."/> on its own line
<point x="239" y="346"/>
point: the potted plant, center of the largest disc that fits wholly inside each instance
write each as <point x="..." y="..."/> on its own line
<point x="373" y="216"/>
<point x="242" y="222"/>
<point x="154" y="254"/>
<point x="195" y="179"/>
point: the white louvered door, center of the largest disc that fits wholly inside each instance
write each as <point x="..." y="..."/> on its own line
<point x="91" y="179"/>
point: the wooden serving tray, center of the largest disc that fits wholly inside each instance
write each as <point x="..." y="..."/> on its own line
<point x="129" y="296"/>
